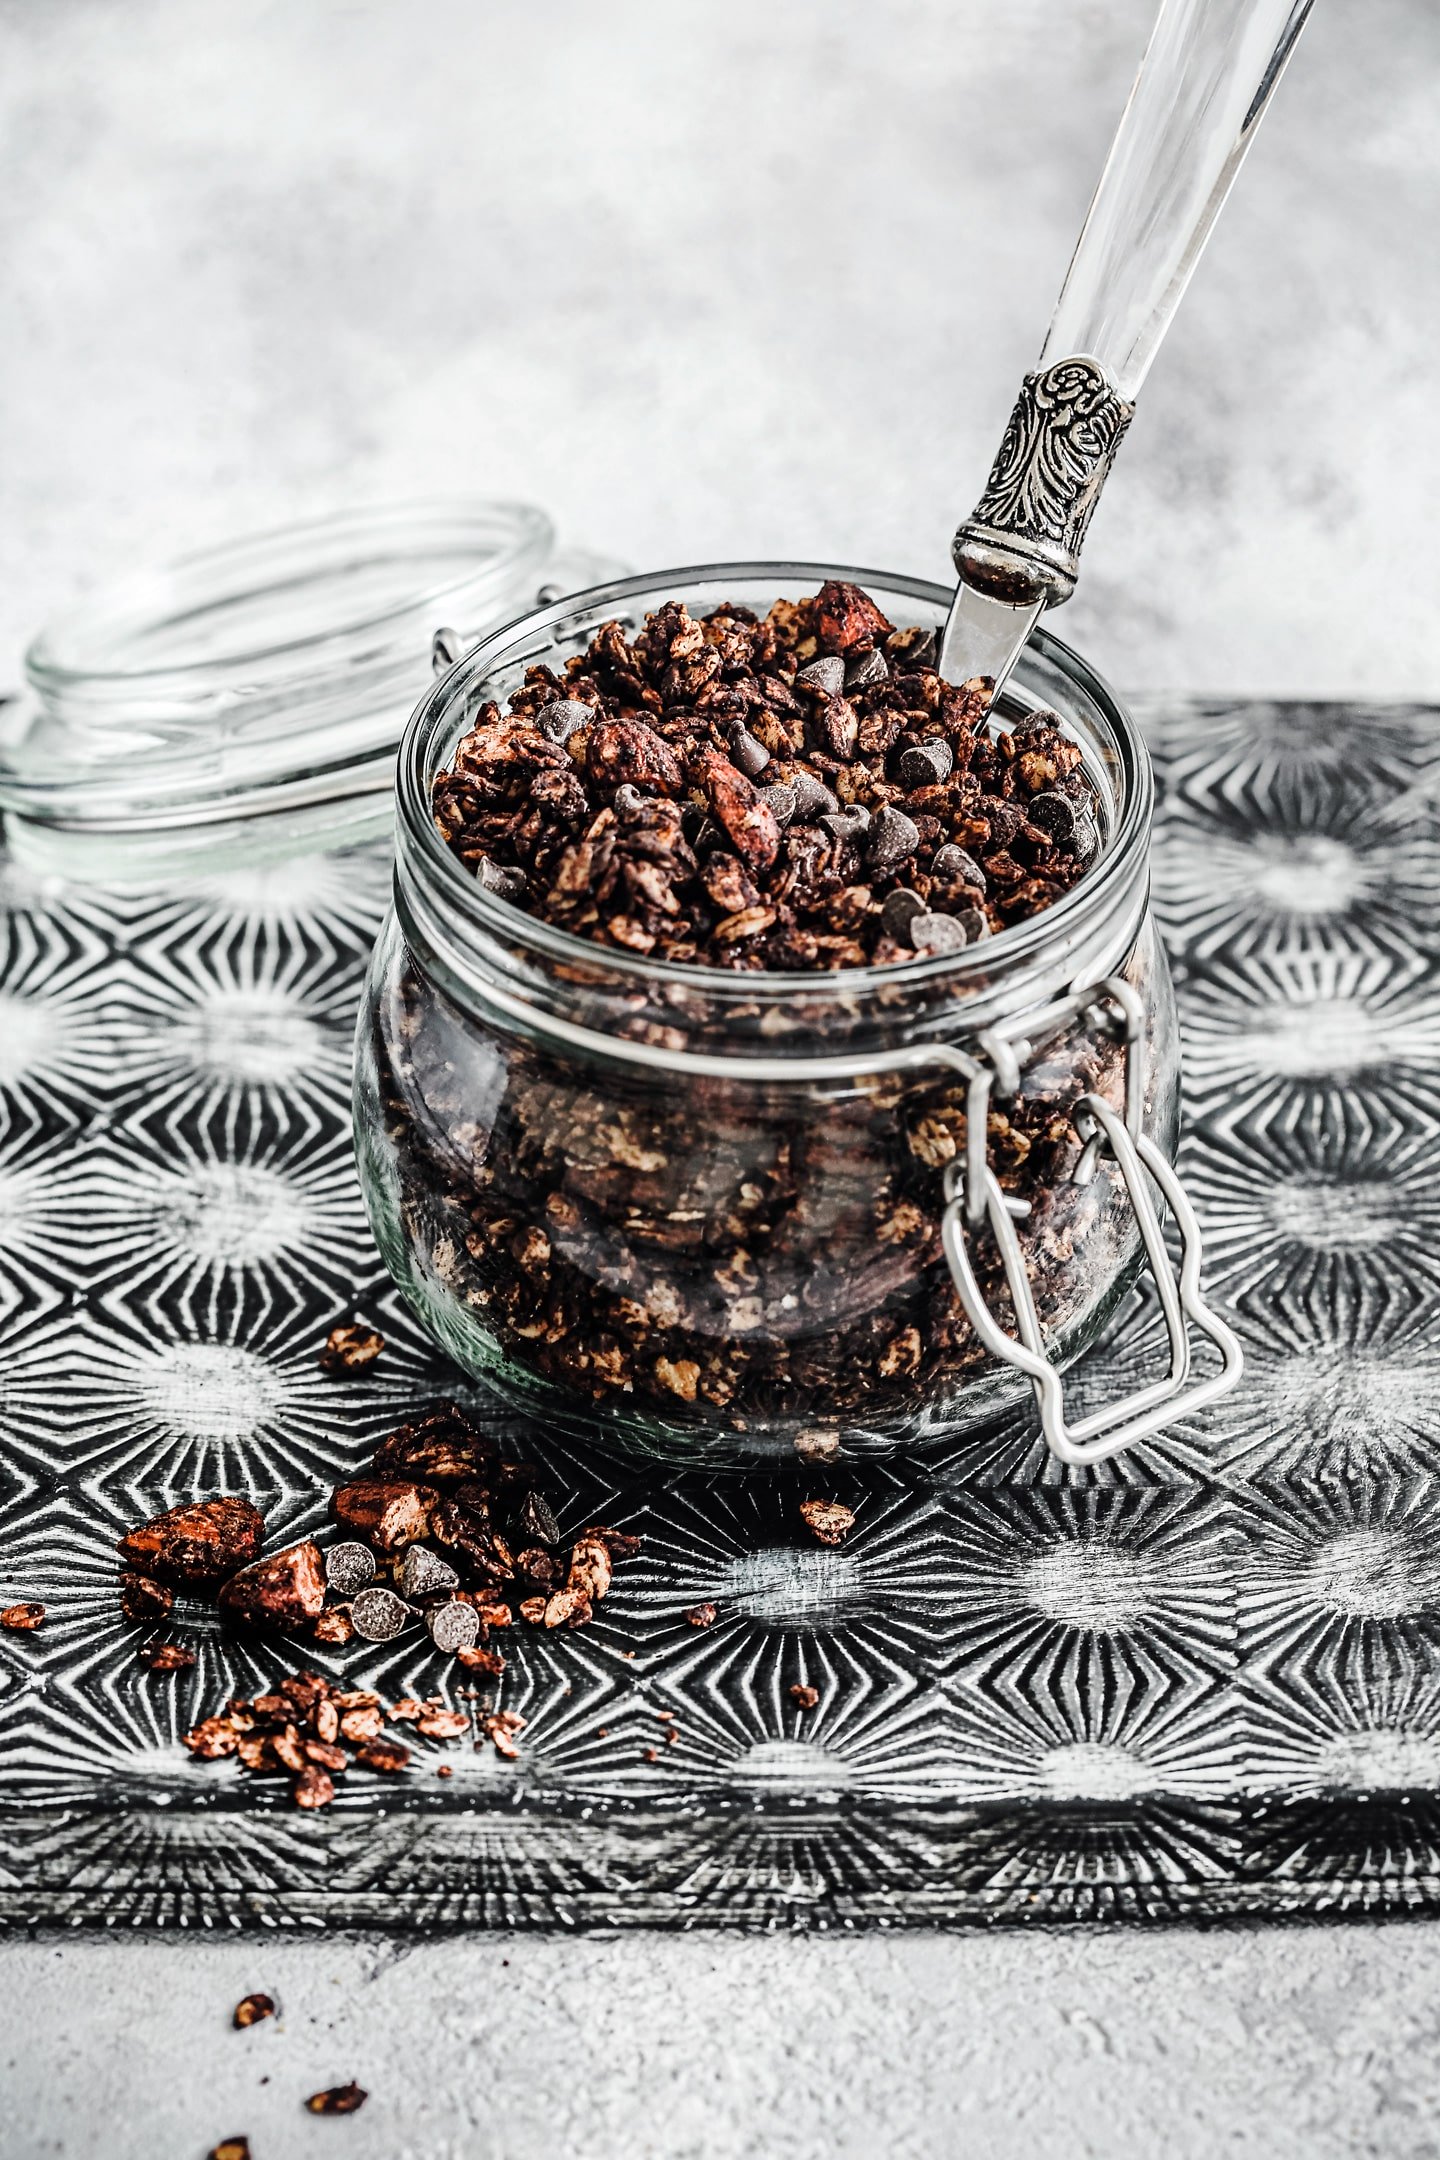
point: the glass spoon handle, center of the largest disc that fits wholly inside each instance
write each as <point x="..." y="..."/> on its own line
<point x="1207" y="76"/>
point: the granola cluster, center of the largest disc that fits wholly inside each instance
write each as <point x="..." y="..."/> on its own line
<point x="801" y="792"/>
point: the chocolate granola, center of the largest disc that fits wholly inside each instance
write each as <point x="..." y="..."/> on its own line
<point x="799" y="793"/>
<point x="696" y="1259"/>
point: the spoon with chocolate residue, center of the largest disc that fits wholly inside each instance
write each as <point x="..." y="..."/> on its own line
<point x="1206" y="79"/>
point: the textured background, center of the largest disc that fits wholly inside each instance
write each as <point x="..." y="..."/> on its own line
<point x="711" y="280"/>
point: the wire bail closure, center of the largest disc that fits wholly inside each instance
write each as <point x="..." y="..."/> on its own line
<point x="974" y="1199"/>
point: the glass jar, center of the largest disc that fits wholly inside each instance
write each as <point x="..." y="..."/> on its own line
<point x="242" y="704"/>
<point x="709" y="1215"/>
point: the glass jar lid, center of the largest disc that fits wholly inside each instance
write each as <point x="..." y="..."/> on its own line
<point x="263" y="681"/>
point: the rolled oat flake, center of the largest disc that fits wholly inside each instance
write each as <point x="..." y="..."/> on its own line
<point x="379" y="1615"/>
<point x="349" y="1567"/>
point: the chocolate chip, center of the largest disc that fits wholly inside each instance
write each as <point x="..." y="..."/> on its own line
<point x="495" y="878"/>
<point x="629" y="802"/>
<point x="535" y="1521"/>
<point x="865" y="669"/>
<point x="425" y="1574"/>
<point x="925" y="765"/>
<point x="912" y="650"/>
<point x="349" y="1567"/>
<point x="931" y="934"/>
<point x="559" y="719"/>
<point x="900" y="909"/>
<point x="1085" y="845"/>
<point x="825" y="676"/>
<point x="783" y="802"/>
<point x="1055" y="815"/>
<point x="893" y="837"/>
<point x="954" y="867"/>
<point x="849" y="824"/>
<point x="751" y="756"/>
<point x="812" y="797"/>
<point x="973" y="922"/>
<point x="454" y="1626"/>
<point x="379" y="1616"/>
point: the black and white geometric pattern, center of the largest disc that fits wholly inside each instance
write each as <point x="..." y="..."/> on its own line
<point x="1203" y="1678"/>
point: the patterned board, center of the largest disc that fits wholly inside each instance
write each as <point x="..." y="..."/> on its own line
<point x="1201" y="1679"/>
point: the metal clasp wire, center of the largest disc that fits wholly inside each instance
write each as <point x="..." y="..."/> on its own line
<point x="974" y="1196"/>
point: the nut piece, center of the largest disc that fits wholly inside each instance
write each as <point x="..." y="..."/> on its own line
<point x="22" y="1619"/>
<point x="379" y="1616"/>
<point x="350" y="1349"/>
<point x="339" y="2100"/>
<point x="806" y="1696"/>
<point x="828" y="1519"/>
<point x="384" y="1754"/>
<point x="198" y="1544"/>
<point x="702" y="1615"/>
<point x="388" y="1513"/>
<point x="284" y="1591"/>
<point x="167" y="1657"/>
<point x="251" y="2009"/>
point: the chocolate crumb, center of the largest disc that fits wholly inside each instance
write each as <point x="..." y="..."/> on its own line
<point x="350" y="1349"/>
<point x="828" y="1520"/>
<point x="251" y="2009"/>
<point x="167" y="1657"/>
<point x="339" y="2100"/>
<point x="804" y="1695"/>
<point x="702" y="1615"/>
<point x="22" y="1619"/>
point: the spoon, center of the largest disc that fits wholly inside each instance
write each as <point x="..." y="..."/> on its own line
<point x="1208" y="74"/>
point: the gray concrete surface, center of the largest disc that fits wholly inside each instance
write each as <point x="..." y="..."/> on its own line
<point x="708" y="279"/>
<point x="1320" y="2042"/>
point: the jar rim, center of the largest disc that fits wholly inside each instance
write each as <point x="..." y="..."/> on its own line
<point x="422" y="852"/>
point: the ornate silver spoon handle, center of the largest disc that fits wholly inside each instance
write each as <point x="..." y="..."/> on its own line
<point x="1207" y="76"/>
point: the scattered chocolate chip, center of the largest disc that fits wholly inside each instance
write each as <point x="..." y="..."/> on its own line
<point x="349" y="1567"/>
<point x="783" y="801"/>
<point x="425" y="1574"/>
<point x="804" y="1695"/>
<point x="379" y="1616"/>
<point x="893" y="837"/>
<point x="453" y="1627"/>
<point x="932" y="934"/>
<point x="339" y="2100"/>
<point x="351" y="1349"/>
<point x="847" y="824"/>
<point x="535" y="1521"/>
<point x="702" y="1615"/>
<point x="251" y="2009"/>
<point x="828" y="1519"/>
<point x="924" y="765"/>
<point x="973" y="922"/>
